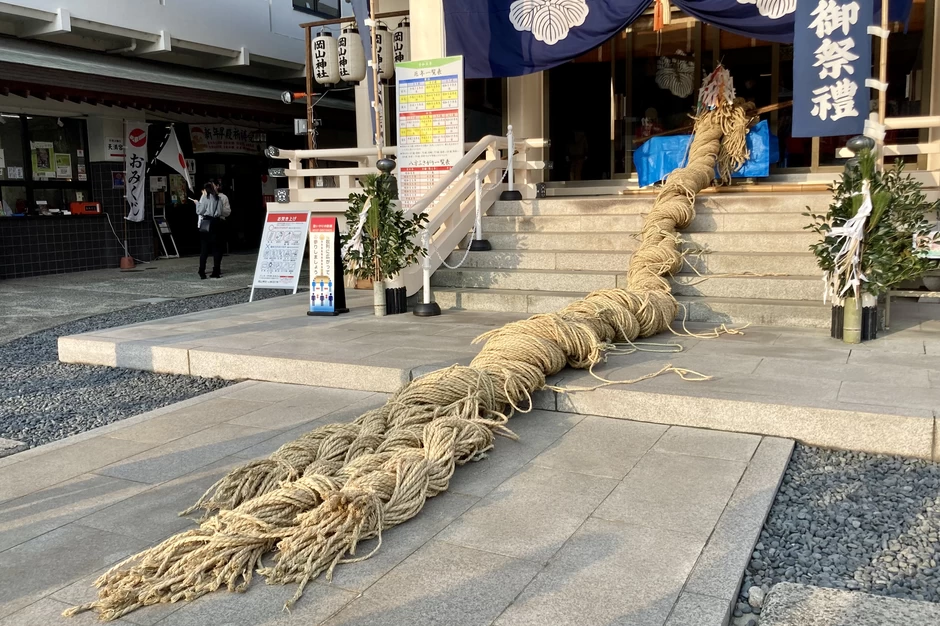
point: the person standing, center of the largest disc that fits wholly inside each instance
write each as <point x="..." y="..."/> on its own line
<point x="226" y="210"/>
<point x="577" y="155"/>
<point x="209" y="212"/>
<point x="223" y="200"/>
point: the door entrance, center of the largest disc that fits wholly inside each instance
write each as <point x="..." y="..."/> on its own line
<point x="579" y="122"/>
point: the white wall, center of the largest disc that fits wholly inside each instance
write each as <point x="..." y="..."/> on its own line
<point x="265" y="27"/>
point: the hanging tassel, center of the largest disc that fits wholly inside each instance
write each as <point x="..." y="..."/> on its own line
<point x="658" y="16"/>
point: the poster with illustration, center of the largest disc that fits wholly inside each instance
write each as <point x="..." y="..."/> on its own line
<point x="42" y="157"/>
<point x="117" y="180"/>
<point x="63" y="165"/>
<point x="177" y="189"/>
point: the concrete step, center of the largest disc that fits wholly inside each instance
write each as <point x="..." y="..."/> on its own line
<point x="791" y="604"/>
<point x="705" y="222"/>
<point x="793" y="263"/>
<point x="743" y="241"/>
<point x="637" y="204"/>
<point x="769" y="287"/>
<point x="696" y="308"/>
<point x="528" y="280"/>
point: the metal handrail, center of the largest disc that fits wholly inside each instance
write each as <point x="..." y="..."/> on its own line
<point x="451" y="202"/>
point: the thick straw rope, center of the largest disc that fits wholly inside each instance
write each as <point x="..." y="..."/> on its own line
<point x="316" y="498"/>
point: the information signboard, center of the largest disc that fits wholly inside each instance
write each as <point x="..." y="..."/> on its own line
<point x="430" y="124"/>
<point x="832" y="57"/>
<point x="281" y="256"/>
<point x="327" y="292"/>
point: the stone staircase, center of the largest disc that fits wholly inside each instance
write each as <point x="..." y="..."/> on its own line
<point x="550" y="251"/>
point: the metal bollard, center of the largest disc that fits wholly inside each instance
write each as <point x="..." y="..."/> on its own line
<point x="510" y="194"/>
<point x="428" y="308"/>
<point x="479" y="244"/>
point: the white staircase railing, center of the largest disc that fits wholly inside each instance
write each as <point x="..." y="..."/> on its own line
<point x="451" y="204"/>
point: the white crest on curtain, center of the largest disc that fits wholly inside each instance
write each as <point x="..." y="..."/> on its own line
<point x="774" y="9"/>
<point x="676" y="75"/>
<point x="548" y="20"/>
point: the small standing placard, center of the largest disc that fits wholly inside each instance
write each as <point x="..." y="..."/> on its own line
<point x="282" y="251"/>
<point x="327" y="292"/>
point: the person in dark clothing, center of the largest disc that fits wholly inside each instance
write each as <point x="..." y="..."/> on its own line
<point x="209" y="212"/>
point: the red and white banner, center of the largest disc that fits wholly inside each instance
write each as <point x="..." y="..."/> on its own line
<point x="135" y="168"/>
<point x="171" y="154"/>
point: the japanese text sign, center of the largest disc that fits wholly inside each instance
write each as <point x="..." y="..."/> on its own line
<point x="831" y="61"/>
<point x="282" y="251"/>
<point x="223" y="138"/>
<point x="135" y="168"/>
<point x="430" y="124"/>
<point x="327" y="296"/>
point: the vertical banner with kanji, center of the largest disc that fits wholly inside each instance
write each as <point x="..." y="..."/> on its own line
<point x="327" y="291"/>
<point x="135" y="166"/>
<point x="430" y="124"/>
<point x="831" y="61"/>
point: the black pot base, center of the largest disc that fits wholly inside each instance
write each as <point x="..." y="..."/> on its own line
<point x="480" y="245"/>
<point x="427" y="310"/>
<point x="869" y="323"/>
<point x="509" y="196"/>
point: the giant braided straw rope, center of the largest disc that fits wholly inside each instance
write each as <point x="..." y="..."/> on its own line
<point x="316" y="498"/>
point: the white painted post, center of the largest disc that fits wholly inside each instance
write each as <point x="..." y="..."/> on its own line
<point x="478" y="193"/>
<point x="427" y="308"/>
<point x="478" y="243"/>
<point x="427" y="267"/>
<point x="511" y="193"/>
<point x="512" y="148"/>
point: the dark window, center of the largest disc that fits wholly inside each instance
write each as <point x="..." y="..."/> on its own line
<point x="324" y="8"/>
<point x="43" y="163"/>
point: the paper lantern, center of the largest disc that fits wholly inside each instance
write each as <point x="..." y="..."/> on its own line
<point x="401" y="42"/>
<point x="383" y="52"/>
<point x="325" y="59"/>
<point x="352" y="61"/>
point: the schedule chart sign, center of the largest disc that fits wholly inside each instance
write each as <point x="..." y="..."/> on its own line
<point x="282" y="251"/>
<point x="430" y="124"/>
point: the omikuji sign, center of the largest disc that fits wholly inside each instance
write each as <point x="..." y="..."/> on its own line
<point x="831" y="61"/>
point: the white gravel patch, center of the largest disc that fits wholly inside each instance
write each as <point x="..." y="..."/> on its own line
<point x="42" y="400"/>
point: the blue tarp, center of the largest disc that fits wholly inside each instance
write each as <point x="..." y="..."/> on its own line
<point x="657" y="157"/>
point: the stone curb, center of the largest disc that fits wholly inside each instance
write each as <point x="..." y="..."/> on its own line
<point x="908" y="432"/>
<point x="10" y="446"/>
<point x="720" y="567"/>
<point x="791" y="604"/>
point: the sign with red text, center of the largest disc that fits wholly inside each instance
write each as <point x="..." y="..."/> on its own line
<point x="281" y="256"/>
<point x="135" y="168"/>
<point x="224" y="138"/>
<point x="327" y="292"/>
<point x="430" y="124"/>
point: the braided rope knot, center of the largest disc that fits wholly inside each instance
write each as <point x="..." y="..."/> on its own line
<point x="315" y="499"/>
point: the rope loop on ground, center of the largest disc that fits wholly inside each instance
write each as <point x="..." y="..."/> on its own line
<point x="312" y="503"/>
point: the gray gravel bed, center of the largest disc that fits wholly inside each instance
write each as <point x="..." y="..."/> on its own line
<point x="42" y="400"/>
<point x="851" y="520"/>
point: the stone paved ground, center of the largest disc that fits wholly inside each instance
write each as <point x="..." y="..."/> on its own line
<point x="31" y="304"/>
<point x="585" y="520"/>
